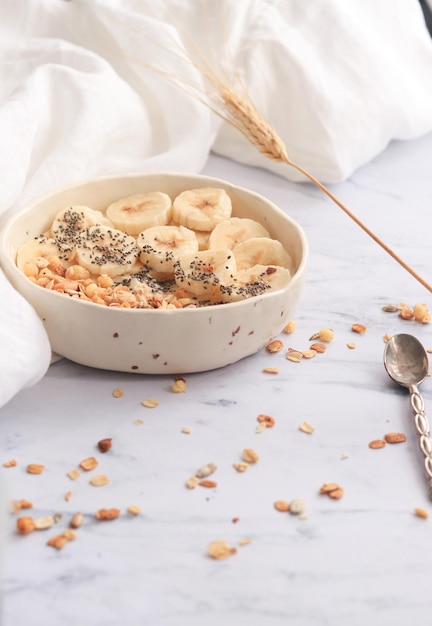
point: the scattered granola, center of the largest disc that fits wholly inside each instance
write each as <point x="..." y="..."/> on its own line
<point x="420" y="512"/>
<point x="58" y="541"/>
<point x="290" y="327"/>
<point x="134" y="509"/>
<point x="395" y="437"/>
<point x="318" y="347"/>
<point x="325" y="334"/>
<point x="333" y="490"/>
<point x="10" y="463"/>
<point x="220" y="549"/>
<point x="150" y="403"/>
<point x="88" y="464"/>
<point x="359" y="328"/>
<point x="25" y="525"/>
<point x="192" y="482"/>
<point x="99" y="481"/>
<point x="297" y="506"/>
<point x="118" y="392"/>
<point x="281" y="505"/>
<point x="294" y="355"/>
<point x="351" y="345"/>
<point x="271" y="370"/>
<point x="107" y="514"/>
<point x="241" y="467"/>
<point x="210" y="484"/>
<point x="267" y="420"/>
<point x="35" y="468"/>
<point x="68" y="496"/>
<point x="43" y="523"/>
<point x="250" y="455"/>
<point x="186" y="430"/>
<point x="376" y="444"/>
<point x="73" y="474"/>
<point x="104" y="444"/>
<point x="206" y="470"/>
<point x="179" y="385"/>
<point x="18" y="505"/>
<point x="275" y="346"/>
<point x="77" y="520"/>
<point x="305" y="427"/>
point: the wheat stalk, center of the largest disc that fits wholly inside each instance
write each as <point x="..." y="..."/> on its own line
<point x="236" y="107"/>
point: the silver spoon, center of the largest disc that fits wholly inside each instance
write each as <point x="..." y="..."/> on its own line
<point x="406" y="362"/>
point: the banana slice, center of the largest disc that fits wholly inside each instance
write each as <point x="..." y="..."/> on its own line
<point x="203" y="208"/>
<point x="206" y="273"/>
<point x="235" y="230"/>
<point x="40" y="253"/>
<point x="105" y="250"/>
<point x="161" y="246"/>
<point x="134" y="214"/>
<point x="255" y="281"/>
<point x="261" y="251"/>
<point x="71" y="220"/>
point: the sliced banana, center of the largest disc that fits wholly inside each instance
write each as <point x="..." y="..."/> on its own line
<point x="235" y="230"/>
<point x="40" y="253"/>
<point x="105" y="250"/>
<point x="201" y="209"/>
<point x="261" y="251"/>
<point x="206" y="273"/>
<point x="73" y="219"/>
<point x="161" y="246"/>
<point x="135" y="213"/>
<point x="255" y="281"/>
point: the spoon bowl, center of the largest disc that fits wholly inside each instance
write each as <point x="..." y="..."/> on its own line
<point x="406" y="362"/>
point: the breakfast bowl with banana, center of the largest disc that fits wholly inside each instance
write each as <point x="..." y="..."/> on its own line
<point x="161" y="273"/>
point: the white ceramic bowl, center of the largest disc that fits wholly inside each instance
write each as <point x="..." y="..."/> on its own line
<point x="142" y="341"/>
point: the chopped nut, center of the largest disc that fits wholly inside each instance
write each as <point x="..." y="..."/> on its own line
<point x="107" y="514"/>
<point x="309" y="354"/>
<point x="421" y="314"/>
<point x="10" y="463"/>
<point x="275" y="346"/>
<point x="318" y="347"/>
<point x="220" y="550"/>
<point x="281" y="505"/>
<point x="420" y="512"/>
<point x="206" y="470"/>
<point x="76" y="520"/>
<point x="69" y="534"/>
<point x="192" y="482"/>
<point x="88" y="464"/>
<point x="290" y="327"/>
<point x="250" y="455"/>
<point x="18" y="505"/>
<point x="297" y="506"/>
<point x="25" y="525"/>
<point x="58" y="541"/>
<point x="179" y="385"/>
<point x="406" y="313"/>
<point x="267" y="420"/>
<point x="271" y="370"/>
<point x="395" y="437"/>
<point x="337" y="494"/>
<point x="333" y="490"/>
<point x="134" y="509"/>
<point x="359" y="328"/>
<point x="118" y="392"/>
<point x="104" y="444"/>
<point x="99" y="481"/>
<point x="44" y="522"/>
<point x="376" y="444"/>
<point x="74" y="474"/>
<point x="294" y="355"/>
<point x="325" y="334"/>
<point x="351" y="345"/>
<point x="210" y="484"/>
<point x="35" y="468"/>
<point x="307" y="428"/>
<point x="150" y="403"/>
<point x="241" y="467"/>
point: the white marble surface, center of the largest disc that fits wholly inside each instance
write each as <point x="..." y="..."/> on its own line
<point x="361" y="560"/>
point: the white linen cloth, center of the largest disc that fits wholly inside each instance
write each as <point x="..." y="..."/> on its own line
<point x="338" y="80"/>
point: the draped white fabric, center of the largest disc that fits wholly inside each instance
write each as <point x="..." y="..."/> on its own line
<point x="80" y="97"/>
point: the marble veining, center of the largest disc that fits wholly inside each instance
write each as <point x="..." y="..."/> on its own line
<point x="359" y="560"/>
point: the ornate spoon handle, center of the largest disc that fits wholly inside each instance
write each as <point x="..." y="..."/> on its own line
<point x="423" y="431"/>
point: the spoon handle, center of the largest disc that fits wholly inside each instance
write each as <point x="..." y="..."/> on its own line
<point x="423" y="431"/>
